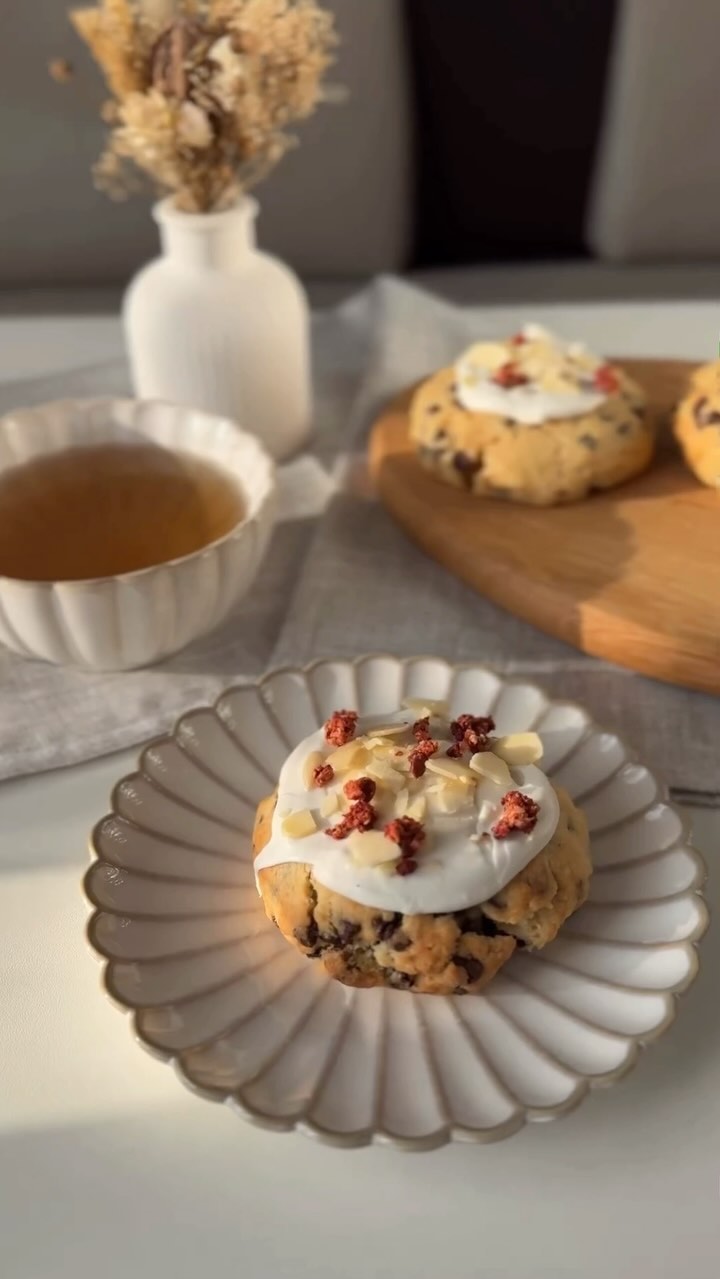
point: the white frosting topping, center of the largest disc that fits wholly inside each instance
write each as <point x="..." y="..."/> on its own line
<point x="461" y="862"/>
<point x="559" y="379"/>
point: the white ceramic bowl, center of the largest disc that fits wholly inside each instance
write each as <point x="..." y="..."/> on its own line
<point x="117" y="623"/>
<point x="245" y="1019"/>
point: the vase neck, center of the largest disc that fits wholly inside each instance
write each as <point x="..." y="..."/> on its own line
<point x="208" y="241"/>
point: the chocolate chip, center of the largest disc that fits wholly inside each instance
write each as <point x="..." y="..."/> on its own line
<point x="478" y="923"/>
<point x="434" y="408"/>
<point x="402" y="981"/>
<point x="473" y="967"/>
<point x="460" y="990"/>
<point x="347" y="931"/>
<point x="704" y="415"/>
<point x="466" y="466"/>
<point x="342" y="935"/>
<point x="441" y="434"/>
<point x="624" y="428"/>
<point x="399" y="940"/>
<point x="588" y="441"/>
<point x="308" y="935"/>
<point x="509" y="421"/>
<point x="384" y="928"/>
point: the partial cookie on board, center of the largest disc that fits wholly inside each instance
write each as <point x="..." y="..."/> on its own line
<point x="697" y="424"/>
<point x="541" y="462"/>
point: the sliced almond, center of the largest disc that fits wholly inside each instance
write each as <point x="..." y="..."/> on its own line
<point x="402" y="764"/>
<point x="387" y="776"/>
<point x="425" y="706"/>
<point x="486" y="355"/>
<point x="451" y="798"/>
<point x="452" y="769"/>
<point x="387" y="730"/>
<point x="519" y="748"/>
<point x="580" y="355"/>
<point x="401" y="802"/>
<point x="298" y="825"/>
<point x="416" y="808"/>
<point x="387" y="750"/>
<point x="557" y="380"/>
<point x="489" y="765"/>
<point x="371" y="848"/>
<point x="313" y="761"/>
<point x="330" y="804"/>
<point x="536" y="333"/>
<point x="351" y="755"/>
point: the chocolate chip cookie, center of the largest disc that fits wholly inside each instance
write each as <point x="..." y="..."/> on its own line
<point x="697" y="424"/>
<point x="445" y="953"/>
<point x="560" y="423"/>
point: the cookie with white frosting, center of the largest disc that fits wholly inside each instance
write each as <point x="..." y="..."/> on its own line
<point x="418" y="851"/>
<point x="697" y="424"/>
<point x="532" y="419"/>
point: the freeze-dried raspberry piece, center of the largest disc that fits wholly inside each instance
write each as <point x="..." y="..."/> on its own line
<point x="360" y="816"/>
<point x="406" y="866"/>
<point x="483" y="725"/>
<point x="471" y="734"/>
<point x="420" y="754"/>
<point x="407" y="834"/>
<point x="421" y="729"/>
<point x="520" y="813"/>
<point x="340" y="727"/>
<point x="360" y="788"/>
<point x="606" y="379"/>
<point x="509" y="375"/>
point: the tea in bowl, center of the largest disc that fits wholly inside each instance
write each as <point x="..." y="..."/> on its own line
<point x="127" y="528"/>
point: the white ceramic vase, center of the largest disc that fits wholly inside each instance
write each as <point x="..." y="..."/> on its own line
<point x="215" y="324"/>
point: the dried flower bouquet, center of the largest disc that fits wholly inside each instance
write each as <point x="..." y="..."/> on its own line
<point x="203" y="90"/>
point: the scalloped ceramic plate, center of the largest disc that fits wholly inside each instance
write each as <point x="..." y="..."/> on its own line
<point x="213" y="988"/>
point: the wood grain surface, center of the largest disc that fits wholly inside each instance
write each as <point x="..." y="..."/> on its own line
<point x="631" y="575"/>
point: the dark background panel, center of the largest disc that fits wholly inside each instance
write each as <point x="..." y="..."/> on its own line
<point x="509" y="99"/>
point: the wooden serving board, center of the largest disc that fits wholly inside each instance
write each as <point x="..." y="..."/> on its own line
<point x="631" y="575"/>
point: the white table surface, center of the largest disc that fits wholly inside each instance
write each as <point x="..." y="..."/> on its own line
<point x="109" y="1168"/>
